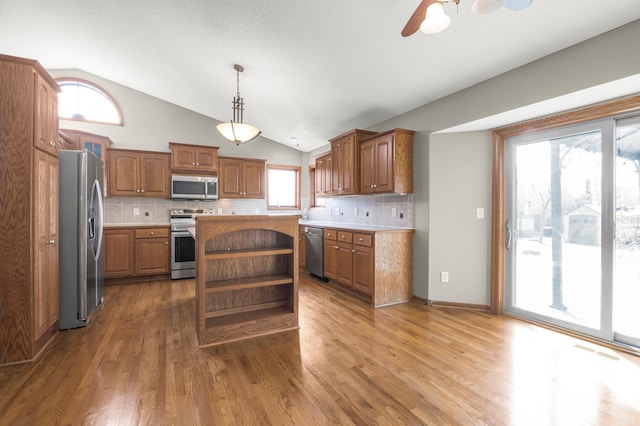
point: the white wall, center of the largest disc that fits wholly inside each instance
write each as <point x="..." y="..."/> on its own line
<point x="459" y="242"/>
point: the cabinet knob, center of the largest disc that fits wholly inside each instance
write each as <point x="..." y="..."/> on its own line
<point x="52" y="241"/>
<point x="137" y="190"/>
<point x="360" y="239"/>
<point x="343" y="237"/>
<point x="353" y="251"/>
<point x="152" y="232"/>
<point x="166" y="243"/>
<point x="197" y="164"/>
<point x="193" y="164"/>
<point x="142" y="190"/>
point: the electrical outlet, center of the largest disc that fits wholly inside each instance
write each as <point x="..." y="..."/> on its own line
<point x="136" y="211"/>
<point x="146" y="213"/>
<point x="394" y="212"/>
<point x="257" y="210"/>
<point x="444" y="277"/>
<point x="355" y="211"/>
<point x="219" y="210"/>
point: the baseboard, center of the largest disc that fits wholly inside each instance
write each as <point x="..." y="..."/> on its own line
<point x="469" y="306"/>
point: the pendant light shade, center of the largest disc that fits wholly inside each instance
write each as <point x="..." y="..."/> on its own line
<point x="517" y="5"/>
<point x="436" y="20"/>
<point x="235" y="130"/>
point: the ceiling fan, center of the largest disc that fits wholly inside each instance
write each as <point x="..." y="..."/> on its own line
<point x="429" y="16"/>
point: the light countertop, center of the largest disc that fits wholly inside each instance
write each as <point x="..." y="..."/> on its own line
<point x="353" y="226"/>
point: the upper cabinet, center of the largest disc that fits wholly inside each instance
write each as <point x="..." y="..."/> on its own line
<point x="46" y="117"/>
<point x="386" y="163"/>
<point x="241" y="178"/>
<point x="97" y="144"/>
<point x="323" y="174"/>
<point x="194" y="158"/>
<point x="346" y="162"/>
<point x="138" y="173"/>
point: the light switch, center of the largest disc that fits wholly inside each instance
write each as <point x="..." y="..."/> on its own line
<point x="480" y="213"/>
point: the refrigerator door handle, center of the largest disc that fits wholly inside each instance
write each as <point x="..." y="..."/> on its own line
<point x="97" y="189"/>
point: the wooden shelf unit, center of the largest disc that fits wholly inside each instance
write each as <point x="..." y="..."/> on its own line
<point x="246" y="276"/>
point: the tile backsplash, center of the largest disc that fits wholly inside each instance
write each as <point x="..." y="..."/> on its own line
<point x="364" y="209"/>
<point x="367" y="209"/>
<point x="121" y="210"/>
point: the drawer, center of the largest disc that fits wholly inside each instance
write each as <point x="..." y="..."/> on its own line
<point x="345" y="237"/>
<point x="330" y="234"/>
<point x="363" y="239"/>
<point x="152" y="232"/>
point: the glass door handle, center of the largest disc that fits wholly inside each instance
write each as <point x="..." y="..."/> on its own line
<point x="509" y="234"/>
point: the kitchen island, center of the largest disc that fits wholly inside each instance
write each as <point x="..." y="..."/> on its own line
<point x="246" y="276"/>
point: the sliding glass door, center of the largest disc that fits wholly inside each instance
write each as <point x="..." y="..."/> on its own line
<point x="556" y="229"/>
<point x="626" y="277"/>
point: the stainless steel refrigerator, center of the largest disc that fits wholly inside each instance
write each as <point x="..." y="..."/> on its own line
<point x="81" y="243"/>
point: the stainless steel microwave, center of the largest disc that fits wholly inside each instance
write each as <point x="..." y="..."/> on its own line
<point x="194" y="187"/>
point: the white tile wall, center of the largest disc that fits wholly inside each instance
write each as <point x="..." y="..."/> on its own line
<point x="372" y="210"/>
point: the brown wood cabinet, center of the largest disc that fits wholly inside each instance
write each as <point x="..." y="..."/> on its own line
<point x="241" y="178"/>
<point x="302" y="248"/>
<point x="247" y="276"/>
<point x="45" y="206"/>
<point x="136" y="251"/>
<point x="28" y="209"/>
<point x="152" y="251"/>
<point x="46" y="116"/>
<point x="386" y="162"/>
<point x="323" y="175"/>
<point x="376" y="265"/>
<point x="119" y="260"/>
<point x="194" y="158"/>
<point x="345" y="176"/>
<point x="138" y="173"/>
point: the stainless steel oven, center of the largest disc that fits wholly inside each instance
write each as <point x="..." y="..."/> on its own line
<point x="183" y="245"/>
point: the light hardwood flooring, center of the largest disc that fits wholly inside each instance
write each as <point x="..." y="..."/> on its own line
<point x="136" y="363"/>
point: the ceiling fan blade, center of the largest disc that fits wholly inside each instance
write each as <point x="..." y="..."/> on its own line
<point x="416" y="19"/>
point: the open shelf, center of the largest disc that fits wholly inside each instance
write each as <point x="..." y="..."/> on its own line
<point x="247" y="277"/>
<point x="230" y="254"/>
<point x="249" y="282"/>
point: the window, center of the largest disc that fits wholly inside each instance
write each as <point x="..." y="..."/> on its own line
<point x="283" y="187"/>
<point x="82" y="100"/>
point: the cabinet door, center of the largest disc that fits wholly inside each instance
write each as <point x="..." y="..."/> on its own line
<point x="344" y="166"/>
<point x="45" y="277"/>
<point x="230" y="178"/>
<point x="183" y="157"/>
<point x="330" y="259"/>
<point x="320" y="191"/>
<point x="46" y="117"/>
<point x="118" y="253"/>
<point x="363" y="269"/>
<point x="124" y="173"/>
<point x="152" y="256"/>
<point x="302" y="248"/>
<point x="253" y="179"/>
<point x="384" y="164"/>
<point x="53" y="279"/>
<point x="328" y="175"/>
<point x="206" y="159"/>
<point x="344" y="263"/>
<point x="154" y="175"/>
<point x="367" y="167"/>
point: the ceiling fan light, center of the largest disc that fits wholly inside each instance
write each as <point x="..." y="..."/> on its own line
<point x="238" y="132"/>
<point x="436" y="20"/>
<point x="517" y="5"/>
<point x="480" y="7"/>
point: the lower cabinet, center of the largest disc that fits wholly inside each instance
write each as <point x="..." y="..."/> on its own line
<point x="132" y="252"/>
<point x="375" y="265"/>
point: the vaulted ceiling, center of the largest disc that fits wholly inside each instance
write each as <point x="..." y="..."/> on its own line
<point x="313" y="69"/>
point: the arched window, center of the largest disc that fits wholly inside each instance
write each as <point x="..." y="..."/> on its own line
<point x="81" y="100"/>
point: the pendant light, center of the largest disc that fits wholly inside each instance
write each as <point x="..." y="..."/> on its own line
<point x="436" y="20"/>
<point x="236" y="131"/>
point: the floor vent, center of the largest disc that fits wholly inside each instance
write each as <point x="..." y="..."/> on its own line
<point x="609" y="356"/>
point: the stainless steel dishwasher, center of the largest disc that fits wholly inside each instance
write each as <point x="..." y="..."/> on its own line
<point x="314" y="261"/>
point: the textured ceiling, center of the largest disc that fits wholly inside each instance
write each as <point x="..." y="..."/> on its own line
<point x="313" y="69"/>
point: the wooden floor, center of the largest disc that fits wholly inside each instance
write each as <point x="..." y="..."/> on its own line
<point x="137" y="364"/>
